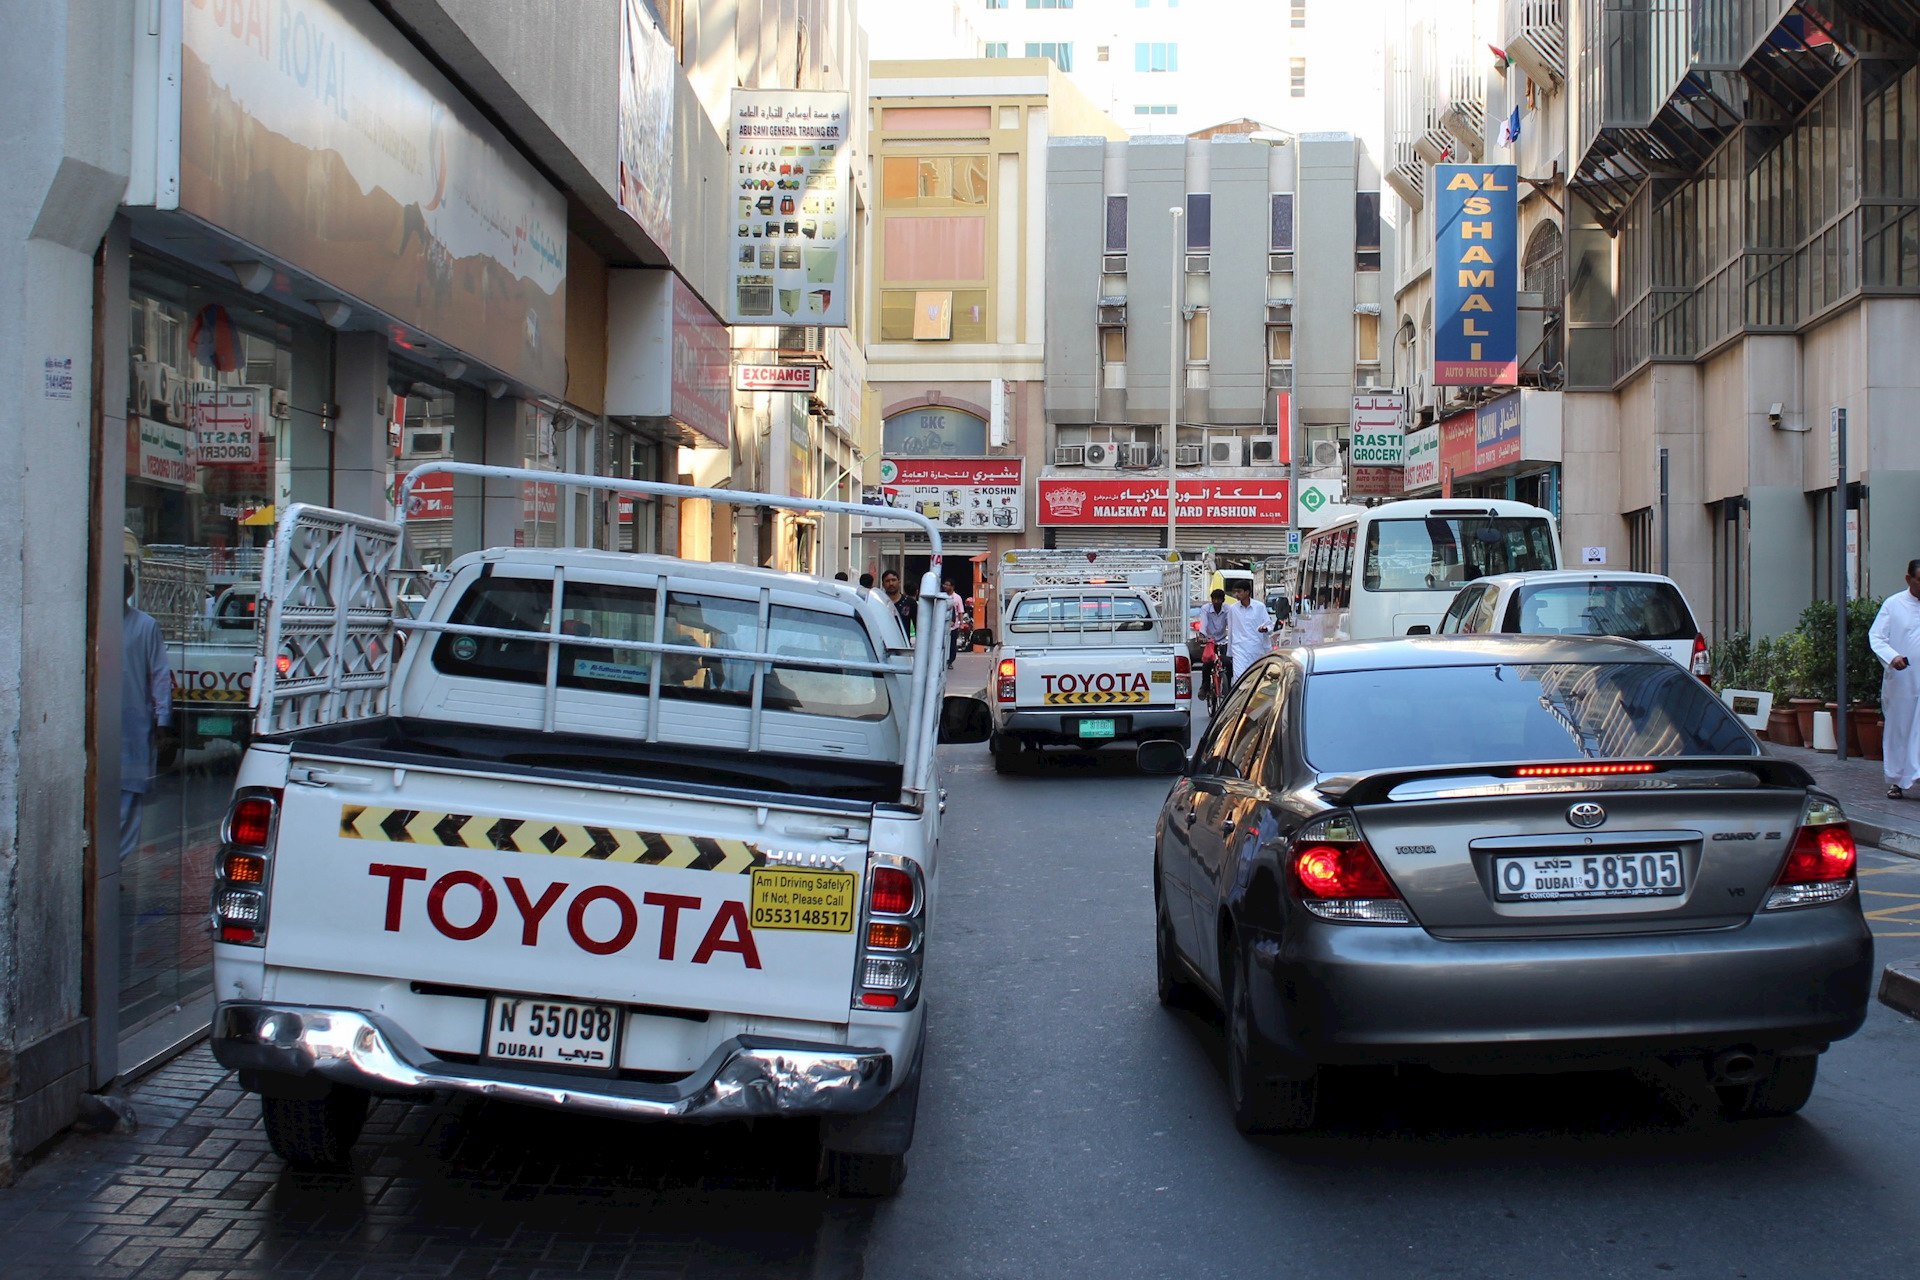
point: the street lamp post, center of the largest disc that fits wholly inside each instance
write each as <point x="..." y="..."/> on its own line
<point x="1174" y="369"/>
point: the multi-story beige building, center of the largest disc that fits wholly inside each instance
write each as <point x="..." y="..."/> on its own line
<point x="1720" y="221"/>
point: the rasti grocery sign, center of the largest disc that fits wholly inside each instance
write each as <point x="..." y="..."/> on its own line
<point x="1476" y="227"/>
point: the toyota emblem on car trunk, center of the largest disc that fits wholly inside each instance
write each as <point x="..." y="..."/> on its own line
<point x="1586" y="814"/>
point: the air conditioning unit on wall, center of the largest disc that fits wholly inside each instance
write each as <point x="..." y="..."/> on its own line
<point x="1226" y="449"/>
<point x="1264" y="451"/>
<point x="1103" y="455"/>
<point x="1070" y="455"/>
<point x="1189" y="455"/>
<point x="1326" y="453"/>
<point x="1138" y="455"/>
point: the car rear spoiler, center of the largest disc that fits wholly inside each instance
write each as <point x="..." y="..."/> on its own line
<point x="1374" y="787"/>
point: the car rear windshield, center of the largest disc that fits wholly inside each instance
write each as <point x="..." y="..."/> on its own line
<point x="612" y="612"/>
<point x="1415" y="717"/>
<point x="1632" y="610"/>
<point x="1081" y="613"/>
<point x="1444" y="553"/>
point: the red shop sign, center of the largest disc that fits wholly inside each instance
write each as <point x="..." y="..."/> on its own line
<point x="1144" y="501"/>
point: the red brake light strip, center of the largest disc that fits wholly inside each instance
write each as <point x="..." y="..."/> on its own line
<point x="1579" y="770"/>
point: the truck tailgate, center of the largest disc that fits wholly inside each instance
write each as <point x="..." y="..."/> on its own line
<point x="1067" y="677"/>
<point x="551" y="888"/>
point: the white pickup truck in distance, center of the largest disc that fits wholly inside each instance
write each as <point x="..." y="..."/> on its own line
<point x="1089" y="653"/>
<point x="623" y="834"/>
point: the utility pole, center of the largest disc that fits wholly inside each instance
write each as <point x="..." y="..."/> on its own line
<point x="1665" y="526"/>
<point x="1176" y="368"/>
<point x="1839" y="429"/>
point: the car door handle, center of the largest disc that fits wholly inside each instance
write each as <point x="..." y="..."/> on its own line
<point x="1226" y="828"/>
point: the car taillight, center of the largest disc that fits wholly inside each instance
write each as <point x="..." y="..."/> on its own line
<point x="887" y="975"/>
<point x="283" y="664"/>
<point x="1182" y="676"/>
<point x="239" y="898"/>
<point x="1006" y="673"/>
<point x="1702" y="665"/>
<point x="1337" y="877"/>
<point x="1820" y="866"/>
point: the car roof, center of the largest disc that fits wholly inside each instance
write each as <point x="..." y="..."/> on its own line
<point x="1472" y="651"/>
<point x="1571" y="575"/>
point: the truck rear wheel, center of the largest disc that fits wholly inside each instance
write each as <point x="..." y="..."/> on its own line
<point x="860" y="1175"/>
<point x="1007" y="751"/>
<point x="315" y="1133"/>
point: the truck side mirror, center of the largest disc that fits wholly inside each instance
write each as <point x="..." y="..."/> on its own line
<point x="965" y="719"/>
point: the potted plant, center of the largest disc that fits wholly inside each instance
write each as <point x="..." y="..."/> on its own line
<point x="1813" y="664"/>
<point x="1783" y="722"/>
<point x="1865" y="726"/>
<point x="1739" y="670"/>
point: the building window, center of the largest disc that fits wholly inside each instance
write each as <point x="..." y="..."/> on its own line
<point x="1116" y="224"/>
<point x="1545" y="274"/>
<point x="933" y="315"/>
<point x="1366" y="231"/>
<point x="1100" y="53"/>
<point x="1640" y="540"/>
<point x="1156" y="56"/>
<point x="1366" y="339"/>
<point x="1050" y="4"/>
<point x="1299" y="13"/>
<point x="1279" y="344"/>
<point x="997" y="49"/>
<point x="1280" y="238"/>
<point x="1155" y="109"/>
<point x="1198" y="340"/>
<point x="1199" y="221"/>
<point x="933" y="182"/>
<point x="996" y="4"/>
<point x="1298" y="77"/>
<point x="1061" y="53"/>
<point x="1113" y="346"/>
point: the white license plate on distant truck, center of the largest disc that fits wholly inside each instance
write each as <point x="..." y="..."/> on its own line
<point x="1540" y="878"/>
<point x="553" y="1033"/>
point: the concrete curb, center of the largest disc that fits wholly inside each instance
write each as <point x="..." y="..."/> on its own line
<point x="1900" y="987"/>
<point x="1890" y="839"/>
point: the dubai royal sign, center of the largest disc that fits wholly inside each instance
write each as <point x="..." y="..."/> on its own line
<point x="1476" y="225"/>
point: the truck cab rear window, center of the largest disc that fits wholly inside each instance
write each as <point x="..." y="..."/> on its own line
<point x="1081" y="613"/>
<point x="592" y="610"/>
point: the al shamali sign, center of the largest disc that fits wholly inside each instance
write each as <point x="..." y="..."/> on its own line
<point x="1131" y="502"/>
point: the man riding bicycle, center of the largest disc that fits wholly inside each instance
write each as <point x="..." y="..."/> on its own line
<point x="1212" y="624"/>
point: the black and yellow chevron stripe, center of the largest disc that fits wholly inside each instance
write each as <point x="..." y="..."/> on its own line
<point x="563" y="839"/>
<point x="210" y="695"/>
<point x="1094" y="699"/>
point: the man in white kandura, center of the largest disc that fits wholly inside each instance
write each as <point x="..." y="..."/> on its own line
<point x="1249" y="628"/>
<point x="1896" y="641"/>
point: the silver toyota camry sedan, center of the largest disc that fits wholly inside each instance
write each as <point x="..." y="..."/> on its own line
<point x="1503" y="854"/>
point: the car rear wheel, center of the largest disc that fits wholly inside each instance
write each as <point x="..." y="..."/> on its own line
<point x="860" y="1175"/>
<point x="315" y="1133"/>
<point x="1781" y="1092"/>
<point x="1262" y="1101"/>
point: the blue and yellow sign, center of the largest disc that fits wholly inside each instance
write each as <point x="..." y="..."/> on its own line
<point x="1475" y="275"/>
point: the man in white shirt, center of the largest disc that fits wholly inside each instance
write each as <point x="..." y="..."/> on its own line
<point x="1249" y="629"/>
<point x="1895" y="638"/>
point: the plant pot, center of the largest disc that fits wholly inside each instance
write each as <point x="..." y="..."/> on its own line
<point x="1804" y="708"/>
<point x="1853" y="737"/>
<point x="1823" y="727"/>
<point x="1783" y="727"/>
<point x="1865" y="726"/>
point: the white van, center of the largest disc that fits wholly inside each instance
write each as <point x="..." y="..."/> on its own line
<point x="1576" y="602"/>
<point x="1392" y="570"/>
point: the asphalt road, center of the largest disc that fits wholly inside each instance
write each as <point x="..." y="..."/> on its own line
<point x="1071" y="1126"/>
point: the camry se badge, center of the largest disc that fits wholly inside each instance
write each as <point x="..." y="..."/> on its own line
<point x="1586" y="814"/>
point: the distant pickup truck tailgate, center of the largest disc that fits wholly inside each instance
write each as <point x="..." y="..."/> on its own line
<point x="445" y="877"/>
<point x="1059" y="678"/>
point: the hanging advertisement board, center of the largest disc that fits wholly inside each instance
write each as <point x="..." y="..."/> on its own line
<point x="1475" y="275"/>
<point x="646" y="122"/>
<point x="1496" y="433"/>
<point x="984" y="494"/>
<point x="1377" y="437"/>
<point x="228" y="425"/>
<point x="789" y="208"/>
<point x="1423" y="460"/>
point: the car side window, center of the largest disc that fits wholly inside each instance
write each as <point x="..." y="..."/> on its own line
<point x="1511" y="624"/>
<point x="1256" y="723"/>
<point x="1210" y="756"/>
<point x="1480" y="621"/>
<point x="1458" y="610"/>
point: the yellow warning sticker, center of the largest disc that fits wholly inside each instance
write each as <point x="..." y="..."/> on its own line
<point x="795" y="898"/>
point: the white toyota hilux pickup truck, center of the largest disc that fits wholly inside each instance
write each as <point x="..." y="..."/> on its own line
<point x="631" y="835"/>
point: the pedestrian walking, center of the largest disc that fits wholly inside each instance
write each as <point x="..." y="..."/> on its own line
<point x="1895" y="638"/>
<point x="958" y="624"/>
<point x="1249" y="628"/>
<point x="901" y="602"/>
<point x="146" y="712"/>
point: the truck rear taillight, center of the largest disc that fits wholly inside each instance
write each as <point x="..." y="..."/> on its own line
<point x="1005" y="680"/>
<point x="887" y="972"/>
<point x="1182" y="676"/>
<point x="239" y="898"/>
<point x="1821" y="865"/>
<point x="1702" y="664"/>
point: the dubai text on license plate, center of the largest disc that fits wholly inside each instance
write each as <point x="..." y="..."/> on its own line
<point x="1589" y="875"/>
<point x="557" y="1033"/>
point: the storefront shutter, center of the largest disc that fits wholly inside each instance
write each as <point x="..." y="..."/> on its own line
<point x="1232" y="540"/>
<point x="1064" y="539"/>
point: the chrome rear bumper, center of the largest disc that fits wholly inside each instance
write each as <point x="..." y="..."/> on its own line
<point x="746" y="1076"/>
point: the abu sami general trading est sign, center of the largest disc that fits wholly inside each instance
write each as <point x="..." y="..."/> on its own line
<point x="1476" y="333"/>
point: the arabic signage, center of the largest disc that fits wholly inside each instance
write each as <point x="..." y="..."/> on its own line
<point x="1456" y="446"/>
<point x="702" y="352"/>
<point x="790" y="210"/>
<point x="775" y="377"/>
<point x="933" y="432"/>
<point x="161" y="453"/>
<point x="1134" y="502"/>
<point x="1377" y="437"/>
<point x="960" y="493"/>
<point x="432" y="498"/>
<point x="1476" y="230"/>
<point x="646" y="122"/>
<point x="1378" y="482"/>
<point x="1423" y="459"/>
<point x="227" y="426"/>
<point x="1496" y="433"/>
<point x="317" y="132"/>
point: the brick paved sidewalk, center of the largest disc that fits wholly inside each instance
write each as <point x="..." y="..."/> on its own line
<point x="442" y="1189"/>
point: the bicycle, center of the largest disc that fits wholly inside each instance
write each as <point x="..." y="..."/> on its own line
<point x="1218" y="682"/>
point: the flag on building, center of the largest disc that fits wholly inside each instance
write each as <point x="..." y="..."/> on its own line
<point x="1510" y="128"/>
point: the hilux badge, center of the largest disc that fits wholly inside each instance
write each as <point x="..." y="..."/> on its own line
<point x="1586" y="814"/>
